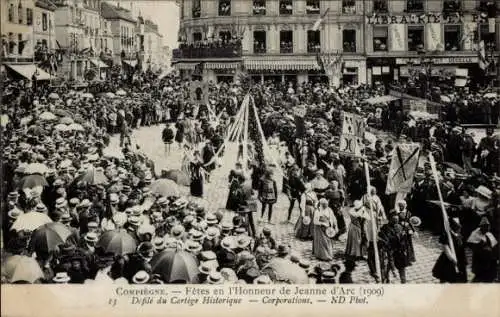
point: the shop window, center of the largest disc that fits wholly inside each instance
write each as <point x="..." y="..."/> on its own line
<point x="197" y="37"/>
<point x="224" y="7"/>
<point x="488" y="38"/>
<point x="286" y="7"/>
<point x="259" y="7"/>
<point x="20" y="44"/>
<point x="11" y="13"/>
<point x="380" y="36"/>
<point x="415" y="38"/>
<point x="350" y="76"/>
<point x="414" y="5"/>
<point x="349" y="41"/>
<point x="349" y="6"/>
<point x="259" y="42"/>
<point x="312" y="6"/>
<point x="313" y="42"/>
<point x="20" y="13"/>
<point x="286" y="42"/>
<point x="196" y="8"/>
<point x="452" y="37"/>
<point x="380" y="6"/>
<point x="44" y="22"/>
<point x="29" y="16"/>
<point x="452" y="5"/>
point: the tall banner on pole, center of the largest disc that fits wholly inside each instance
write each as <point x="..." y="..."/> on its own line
<point x="403" y="167"/>
<point x="353" y="132"/>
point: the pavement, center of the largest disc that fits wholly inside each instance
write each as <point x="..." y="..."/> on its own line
<point x="427" y="247"/>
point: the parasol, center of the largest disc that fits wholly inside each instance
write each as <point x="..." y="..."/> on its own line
<point x="53" y="95"/>
<point x="445" y="98"/>
<point x="67" y="120"/>
<point x="32" y="181"/>
<point x="118" y="242"/>
<point x="48" y="237"/>
<point x="62" y="113"/>
<point x="87" y="95"/>
<point x="4" y="120"/>
<point x="36" y="168"/>
<point x="179" y="177"/>
<point x="61" y="127"/>
<point x="92" y="176"/>
<point x="47" y="116"/>
<point x="165" y="187"/>
<point x="21" y="268"/>
<point x="108" y="152"/>
<point x="176" y="266"/>
<point x="490" y="95"/>
<point x="285" y="271"/>
<point x="76" y="127"/>
<point x="30" y="221"/>
<point x="121" y="92"/>
<point x="110" y="95"/>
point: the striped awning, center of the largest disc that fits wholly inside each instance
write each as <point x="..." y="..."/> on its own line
<point x="28" y="70"/>
<point x="221" y="65"/>
<point x="186" y="66"/>
<point x="281" y="64"/>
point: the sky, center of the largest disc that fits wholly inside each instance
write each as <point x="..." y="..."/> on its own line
<point x="165" y="13"/>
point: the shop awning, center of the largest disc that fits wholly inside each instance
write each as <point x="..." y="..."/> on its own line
<point x="27" y="71"/>
<point x="130" y="63"/>
<point x="186" y="66"/>
<point x="281" y="64"/>
<point x="221" y="65"/>
<point x="380" y="99"/>
<point x="98" y="63"/>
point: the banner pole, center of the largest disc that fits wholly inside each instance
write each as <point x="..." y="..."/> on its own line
<point x="446" y="222"/>
<point x="373" y="221"/>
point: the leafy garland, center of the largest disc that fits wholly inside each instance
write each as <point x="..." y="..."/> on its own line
<point x="254" y="136"/>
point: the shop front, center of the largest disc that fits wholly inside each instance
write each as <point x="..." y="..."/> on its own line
<point x="222" y="71"/>
<point x="291" y="70"/>
<point x="381" y="70"/>
<point x="444" y="67"/>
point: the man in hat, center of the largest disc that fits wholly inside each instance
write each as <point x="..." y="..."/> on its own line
<point x="139" y="261"/>
<point x="484" y="253"/>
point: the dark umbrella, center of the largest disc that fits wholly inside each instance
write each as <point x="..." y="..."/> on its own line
<point x="165" y="187"/>
<point x="178" y="176"/>
<point x="117" y="242"/>
<point x="23" y="268"/>
<point x="32" y="181"/>
<point x="92" y="177"/>
<point x="49" y="236"/>
<point x="176" y="266"/>
<point x="285" y="271"/>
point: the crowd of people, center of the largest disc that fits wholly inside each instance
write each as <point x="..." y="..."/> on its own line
<point x="76" y="212"/>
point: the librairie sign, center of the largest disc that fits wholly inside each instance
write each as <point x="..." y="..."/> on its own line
<point x="425" y="18"/>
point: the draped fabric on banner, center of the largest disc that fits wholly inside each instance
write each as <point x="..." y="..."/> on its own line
<point x="353" y="131"/>
<point x="403" y="167"/>
<point x="433" y="36"/>
<point x="398" y="37"/>
<point x="468" y="35"/>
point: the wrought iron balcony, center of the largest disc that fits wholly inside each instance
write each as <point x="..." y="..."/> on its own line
<point x="207" y="51"/>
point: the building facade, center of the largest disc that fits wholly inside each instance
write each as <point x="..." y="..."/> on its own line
<point x="153" y="43"/>
<point x="380" y="40"/>
<point x="44" y="25"/>
<point x="16" y="25"/>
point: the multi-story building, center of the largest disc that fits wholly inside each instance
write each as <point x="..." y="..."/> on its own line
<point x="153" y="42"/>
<point x="123" y="31"/>
<point x="44" y="25"/>
<point x="441" y="36"/>
<point x="378" y="39"/>
<point x="276" y="37"/>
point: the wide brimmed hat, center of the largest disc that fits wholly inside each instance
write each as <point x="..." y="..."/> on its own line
<point x="91" y="237"/>
<point x="243" y="241"/>
<point x="159" y="244"/>
<point x="228" y="242"/>
<point x="205" y="268"/>
<point x="14" y="213"/>
<point x="208" y="256"/>
<point x="178" y="231"/>
<point x="141" y="277"/>
<point x="196" y="235"/>
<point x="212" y="233"/>
<point x="240" y="230"/>
<point x="215" y="278"/>
<point x="61" y="277"/>
<point x="193" y="246"/>
<point x="484" y="191"/>
<point x="263" y="279"/>
<point x="211" y="219"/>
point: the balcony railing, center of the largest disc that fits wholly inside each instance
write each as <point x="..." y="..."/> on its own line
<point x="207" y="51"/>
<point x="313" y="48"/>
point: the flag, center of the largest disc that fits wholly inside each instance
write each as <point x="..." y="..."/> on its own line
<point x="320" y="20"/>
<point x="483" y="62"/>
<point x="403" y="167"/>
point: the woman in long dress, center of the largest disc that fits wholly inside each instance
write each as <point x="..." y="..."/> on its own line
<point x="356" y="236"/>
<point x="322" y="243"/>
<point x="235" y="197"/>
<point x="196" y="173"/>
<point x="304" y="231"/>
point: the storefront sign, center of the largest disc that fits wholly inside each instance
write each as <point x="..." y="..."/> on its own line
<point x="440" y="60"/>
<point x="425" y="18"/>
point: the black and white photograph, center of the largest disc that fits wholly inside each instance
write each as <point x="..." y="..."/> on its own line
<point x="250" y="142"/>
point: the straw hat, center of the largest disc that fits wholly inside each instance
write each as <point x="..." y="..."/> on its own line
<point x="141" y="277"/>
<point x="178" y="231"/>
<point x="215" y="278"/>
<point x="14" y="213"/>
<point x="484" y="192"/>
<point x="61" y="278"/>
<point x="212" y="233"/>
<point x="211" y="219"/>
<point x="91" y="237"/>
<point x="205" y="268"/>
<point x="263" y="279"/>
<point x="243" y="241"/>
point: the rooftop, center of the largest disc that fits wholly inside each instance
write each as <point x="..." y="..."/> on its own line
<point x="112" y="12"/>
<point x="46" y="4"/>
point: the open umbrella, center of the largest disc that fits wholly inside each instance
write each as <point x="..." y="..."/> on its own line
<point x="67" y="120"/>
<point x="22" y="268"/>
<point x="32" y="181"/>
<point x="30" y="221"/>
<point x="87" y="95"/>
<point x="176" y="266"/>
<point x="35" y="130"/>
<point x="61" y="127"/>
<point x="48" y="237"/>
<point x="117" y="242"/>
<point x="4" y="120"/>
<point x="165" y="187"/>
<point x="445" y="98"/>
<point x="92" y="176"/>
<point x="121" y="92"/>
<point x="179" y="177"/>
<point x="490" y="95"/>
<point x="36" y="168"/>
<point x="76" y="127"/>
<point x="285" y="271"/>
<point x="110" y="95"/>
<point x="62" y="113"/>
<point x="47" y="116"/>
<point x="26" y="120"/>
<point x="108" y="152"/>
<point x="53" y="95"/>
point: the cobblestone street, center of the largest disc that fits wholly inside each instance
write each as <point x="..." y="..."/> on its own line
<point x="427" y="248"/>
